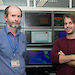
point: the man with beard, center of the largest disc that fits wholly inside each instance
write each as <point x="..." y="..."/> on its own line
<point x="63" y="51"/>
<point x="12" y="44"/>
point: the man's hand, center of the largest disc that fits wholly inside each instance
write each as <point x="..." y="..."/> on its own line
<point x="68" y="59"/>
<point x="64" y="58"/>
<point x="61" y="53"/>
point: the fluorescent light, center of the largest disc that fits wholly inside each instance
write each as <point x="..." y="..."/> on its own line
<point x="41" y="2"/>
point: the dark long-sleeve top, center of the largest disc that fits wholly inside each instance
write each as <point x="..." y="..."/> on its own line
<point x="67" y="46"/>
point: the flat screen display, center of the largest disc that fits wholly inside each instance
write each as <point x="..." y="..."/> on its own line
<point x="39" y="57"/>
<point x="39" y="37"/>
<point x="37" y="19"/>
<point x="58" y="20"/>
<point x="59" y="34"/>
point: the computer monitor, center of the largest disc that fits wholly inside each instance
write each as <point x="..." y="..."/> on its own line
<point x="39" y="57"/>
<point x="58" y="20"/>
<point x="39" y="37"/>
<point x="37" y="20"/>
<point x="59" y="34"/>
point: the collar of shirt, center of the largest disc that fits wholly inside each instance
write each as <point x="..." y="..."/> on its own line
<point x="8" y="31"/>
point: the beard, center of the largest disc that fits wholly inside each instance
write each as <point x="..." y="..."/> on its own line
<point x="69" y="33"/>
<point x="14" y="25"/>
<point x="69" y="30"/>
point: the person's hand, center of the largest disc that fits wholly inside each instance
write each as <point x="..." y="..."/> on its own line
<point x="61" y="57"/>
<point x="61" y="53"/>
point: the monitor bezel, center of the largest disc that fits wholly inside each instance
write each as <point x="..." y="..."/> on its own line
<point x="42" y="26"/>
<point x="37" y="49"/>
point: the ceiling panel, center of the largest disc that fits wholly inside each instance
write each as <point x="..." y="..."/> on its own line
<point x="56" y="3"/>
<point x="15" y="2"/>
<point x="39" y="3"/>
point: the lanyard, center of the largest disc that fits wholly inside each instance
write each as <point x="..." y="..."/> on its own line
<point x="11" y="44"/>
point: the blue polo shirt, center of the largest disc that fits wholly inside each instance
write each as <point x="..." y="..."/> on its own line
<point x="7" y="54"/>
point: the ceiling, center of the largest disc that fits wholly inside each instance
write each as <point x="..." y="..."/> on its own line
<point x="38" y="3"/>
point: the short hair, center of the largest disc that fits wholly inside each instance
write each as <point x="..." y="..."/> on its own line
<point x="71" y="16"/>
<point x="6" y="10"/>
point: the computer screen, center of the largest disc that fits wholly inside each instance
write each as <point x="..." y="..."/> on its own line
<point x="39" y="57"/>
<point x="39" y="37"/>
<point x="34" y="19"/>
<point x="62" y="34"/>
<point x="59" y="34"/>
<point x="58" y="20"/>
